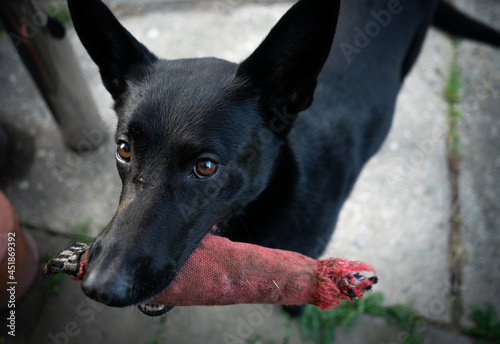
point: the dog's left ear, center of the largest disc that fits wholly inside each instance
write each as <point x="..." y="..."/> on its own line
<point x="284" y="68"/>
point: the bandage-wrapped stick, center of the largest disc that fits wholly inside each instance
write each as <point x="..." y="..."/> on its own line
<point x="222" y="272"/>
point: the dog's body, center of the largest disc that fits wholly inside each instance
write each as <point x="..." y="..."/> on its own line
<point x="261" y="173"/>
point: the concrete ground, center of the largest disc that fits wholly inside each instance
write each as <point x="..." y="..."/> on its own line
<point x="398" y="217"/>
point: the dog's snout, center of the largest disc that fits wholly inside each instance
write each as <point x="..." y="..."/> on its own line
<point x="102" y="282"/>
<point x="110" y="290"/>
<point x="118" y="276"/>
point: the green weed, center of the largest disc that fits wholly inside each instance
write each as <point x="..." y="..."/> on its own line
<point x="160" y="331"/>
<point x="52" y="286"/>
<point x="319" y="326"/>
<point x="452" y="96"/>
<point x="487" y="326"/>
<point x="80" y="231"/>
<point x="453" y="83"/>
<point x="61" y="14"/>
<point x="259" y="340"/>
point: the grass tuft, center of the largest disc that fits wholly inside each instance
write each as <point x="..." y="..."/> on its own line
<point x="80" y="231"/>
<point x="319" y="326"/>
<point x="487" y="326"/>
<point x="52" y="286"/>
<point x="452" y="91"/>
<point x="160" y="332"/>
<point x="61" y="14"/>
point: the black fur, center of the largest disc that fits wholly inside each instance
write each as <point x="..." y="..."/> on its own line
<point x="454" y="22"/>
<point x="281" y="176"/>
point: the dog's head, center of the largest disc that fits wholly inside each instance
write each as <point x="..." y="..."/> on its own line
<point x="197" y="140"/>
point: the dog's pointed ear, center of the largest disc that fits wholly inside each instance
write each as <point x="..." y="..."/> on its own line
<point x="109" y="44"/>
<point x="285" y="67"/>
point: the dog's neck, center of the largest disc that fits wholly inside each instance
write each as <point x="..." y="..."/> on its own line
<point x="270" y="206"/>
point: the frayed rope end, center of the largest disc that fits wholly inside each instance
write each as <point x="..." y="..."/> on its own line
<point x="82" y="268"/>
<point x="339" y="279"/>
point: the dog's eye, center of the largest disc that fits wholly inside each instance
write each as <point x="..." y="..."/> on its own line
<point x="205" y="168"/>
<point x="123" y="152"/>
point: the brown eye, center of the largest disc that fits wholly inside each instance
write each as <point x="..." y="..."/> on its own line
<point x="123" y="152"/>
<point x="205" y="168"/>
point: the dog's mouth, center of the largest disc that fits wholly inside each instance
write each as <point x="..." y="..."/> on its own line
<point x="155" y="310"/>
<point x="216" y="229"/>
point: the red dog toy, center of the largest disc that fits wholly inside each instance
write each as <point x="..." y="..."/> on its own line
<point x="222" y="272"/>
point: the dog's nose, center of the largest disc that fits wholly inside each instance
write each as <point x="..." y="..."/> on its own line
<point x="109" y="290"/>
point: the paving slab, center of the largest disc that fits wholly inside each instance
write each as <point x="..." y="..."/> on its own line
<point x="372" y="330"/>
<point x="435" y="335"/>
<point x="479" y="133"/>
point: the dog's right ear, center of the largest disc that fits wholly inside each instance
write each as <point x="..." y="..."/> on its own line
<point x="109" y="44"/>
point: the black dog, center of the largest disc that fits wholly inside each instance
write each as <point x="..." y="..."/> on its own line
<point x="208" y="145"/>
